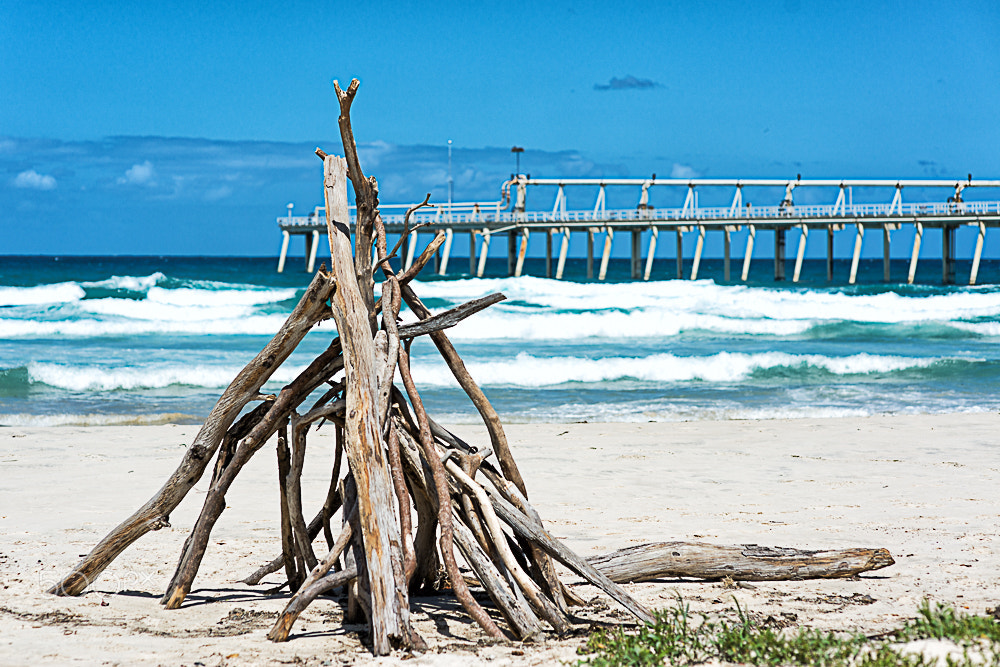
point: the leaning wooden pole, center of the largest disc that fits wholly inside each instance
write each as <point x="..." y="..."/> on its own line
<point x="245" y="387"/>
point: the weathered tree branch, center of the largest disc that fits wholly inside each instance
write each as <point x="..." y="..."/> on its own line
<point x="742" y="562"/>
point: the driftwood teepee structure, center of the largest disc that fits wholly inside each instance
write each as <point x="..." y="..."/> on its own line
<point x="411" y="493"/>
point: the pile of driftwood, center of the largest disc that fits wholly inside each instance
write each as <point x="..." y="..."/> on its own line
<point x="413" y="497"/>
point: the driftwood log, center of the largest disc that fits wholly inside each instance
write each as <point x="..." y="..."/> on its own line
<point x="746" y="562"/>
<point x="412" y="497"/>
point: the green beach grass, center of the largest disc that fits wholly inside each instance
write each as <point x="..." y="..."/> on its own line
<point x="679" y="637"/>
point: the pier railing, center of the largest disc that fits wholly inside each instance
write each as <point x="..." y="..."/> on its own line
<point x="724" y="214"/>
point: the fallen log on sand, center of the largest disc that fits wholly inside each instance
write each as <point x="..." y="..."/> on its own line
<point x="745" y="562"/>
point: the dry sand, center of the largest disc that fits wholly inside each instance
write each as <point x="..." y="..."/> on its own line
<point x="925" y="487"/>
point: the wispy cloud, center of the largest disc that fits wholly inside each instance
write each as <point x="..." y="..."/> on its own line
<point x="32" y="180"/>
<point x="683" y="171"/>
<point x="627" y="83"/>
<point x="139" y="174"/>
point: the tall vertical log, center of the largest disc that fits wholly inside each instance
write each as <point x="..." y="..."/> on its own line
<point x="363" y="443"/>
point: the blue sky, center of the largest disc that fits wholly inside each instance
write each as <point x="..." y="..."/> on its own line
<point x="185" y="128"/>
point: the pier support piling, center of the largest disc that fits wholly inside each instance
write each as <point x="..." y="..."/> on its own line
<point x="284" y="251"/>
<point x="511" y="251"/>
<point x="609" y="237"/>
<point x="829" y="252"/>
<point x="472" y="252"/>
<point x="800" y="255"/>
<point x="680" y="253"/>
<point x="978" y="254"/>
<point x="590" y="254"/>
<point x="548" y="253"/>
<point x="521" y="253"/>
<point x="886" y="243"/>
<point x="917" y="237"/>
<point x="651" y="253"/>
<point x="484" y="251"/>
<point x="779" y="254"/>
<point x="636" y="253"/>
<point x="411" y="246"/>
<point x="312" y="245"/>
<point x="856" y="258"/>
<point x="445" y="252"/>
<point x="563" y="251"/>
<point x="698" y="247"/>
<point x="751" y="234"/>
<point x="726" y="250"/>
<point x="948" y="254"/>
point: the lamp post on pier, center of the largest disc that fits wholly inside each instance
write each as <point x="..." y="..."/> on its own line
<point x="517" y="150"/>
<point x="451" y="181"/>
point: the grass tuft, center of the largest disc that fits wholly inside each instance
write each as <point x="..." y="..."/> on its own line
<point x="679" y="638"/>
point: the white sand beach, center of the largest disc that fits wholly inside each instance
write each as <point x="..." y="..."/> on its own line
<point x="924" y="487"/>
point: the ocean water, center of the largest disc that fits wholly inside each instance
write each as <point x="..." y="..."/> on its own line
<point x="112" y="340"/>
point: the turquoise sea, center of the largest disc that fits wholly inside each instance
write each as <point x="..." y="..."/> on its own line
<point x="109" y="340"/>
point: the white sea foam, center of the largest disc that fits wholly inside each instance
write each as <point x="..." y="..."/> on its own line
<point x="645" y="323"/>
<point x="530" y="371"/>
<point x="979" y="328"/>
<point x="41" y="294"/>
<point x="256" y="325"/>
<point x="147" y="309"/>
<point x="734" y="302"/>
<point x="65" y="419"/>
<point x="186" y="296"/>
<point x="131" y="283"/>
<point x="152" y="376"/>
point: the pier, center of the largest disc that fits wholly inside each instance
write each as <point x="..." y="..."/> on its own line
<point x="509" y="219"/>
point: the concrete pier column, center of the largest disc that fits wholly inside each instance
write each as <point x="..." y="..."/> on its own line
<point x="563" y="251"/>
<point x="484" y="252"/>
<point x="917" y="237"/>
<point x="948" y="254"/>
<point x="779" y="254"/>
<point x="445" y="252"/>
<point x="829" y="253"/>
<point x="727" y="246"/>
<point x="859" y="237"/>
<point x="978" y="254"/>
<point x="284" y="251"/>
<point x="411" y="246"/>
<point x="309" y="245"/>
<point x="800" y="255"/>
<point x="312" y="245"/>
<point x="886" y="270"/>
<point x="698" y="247"/>
<point x="511" y="251"/>
<point x="651" y="253"/>
<point x="609" y="237"/>
<point x="472" y="252"/>
<point x="680" y="253"/>
<point x="548" y="253"/>
<point x="522" y="252"/>
<point x="752" y="233"/>
<point x="636" y="253"/>
<point x="590" y="254"/>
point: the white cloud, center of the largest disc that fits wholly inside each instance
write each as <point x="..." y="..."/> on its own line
<point x="32" y="180"/>
<point x="217" y="193"/>
<point x="139" y="174"/>
<point x="683" y="171"/>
